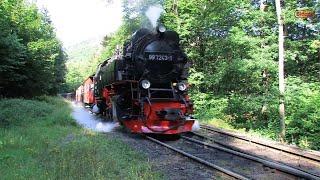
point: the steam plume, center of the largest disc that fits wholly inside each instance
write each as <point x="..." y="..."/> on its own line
<point x="106" y="127"/>
<point x="153" y="13"/>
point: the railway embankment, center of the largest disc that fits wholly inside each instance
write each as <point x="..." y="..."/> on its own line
<point x="40" y="140"/>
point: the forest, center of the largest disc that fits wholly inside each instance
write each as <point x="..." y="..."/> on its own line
<point x="232" y="47"/>
<point x="32" y="58"/>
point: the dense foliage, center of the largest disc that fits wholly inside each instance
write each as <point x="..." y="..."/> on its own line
<point x="234" y="50"/>
<point x="31" y="57"/>
<point x="233" y="47"/>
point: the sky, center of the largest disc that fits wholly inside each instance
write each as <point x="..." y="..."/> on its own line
<point x="79" y="20"/>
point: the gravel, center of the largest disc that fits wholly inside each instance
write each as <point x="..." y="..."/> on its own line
<point x="169" y="163"/>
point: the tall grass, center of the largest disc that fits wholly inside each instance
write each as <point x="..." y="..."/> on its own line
<point x="40" y="140"/>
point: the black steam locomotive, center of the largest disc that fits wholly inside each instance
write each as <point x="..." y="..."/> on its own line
<point x="145" y="87"/>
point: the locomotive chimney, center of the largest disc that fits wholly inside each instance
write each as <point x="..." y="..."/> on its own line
<point x="161" y="28"/>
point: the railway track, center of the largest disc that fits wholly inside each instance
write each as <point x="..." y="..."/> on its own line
<point x="306" y="161"/>
<point x="309" y="155"/>
<point x="232" y="163"/>
<point x="198" y="159"/>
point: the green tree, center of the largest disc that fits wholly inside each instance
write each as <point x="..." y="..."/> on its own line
<point x="233" y="47"/>
<point x="32" y="59"/>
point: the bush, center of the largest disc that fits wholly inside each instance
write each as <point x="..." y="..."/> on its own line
<point x="303" y="113"/>
<point x="253" y="112"/>
<point x="208" y="106"/>
<point x="260" y="113"/>
<point x="20" y="112"/>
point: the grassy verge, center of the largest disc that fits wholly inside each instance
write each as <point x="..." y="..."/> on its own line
<point x="40" y="140"/>
<point x="223" y="124"/>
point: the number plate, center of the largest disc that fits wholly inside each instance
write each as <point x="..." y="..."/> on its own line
<point x="159" y="57"/>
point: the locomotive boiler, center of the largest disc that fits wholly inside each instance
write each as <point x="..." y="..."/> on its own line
<point x="145" y="86"/>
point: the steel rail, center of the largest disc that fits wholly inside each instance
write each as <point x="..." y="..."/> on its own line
<point x="241" y="151"/>
<point x="307" y="156"/>
<point x="275" y="165"/>
<point x="197" y="159"/>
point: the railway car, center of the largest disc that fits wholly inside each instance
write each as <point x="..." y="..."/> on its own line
<point x="79" y="94"/>
<point x="88" y="91"/>
<point x="145" y="86"/>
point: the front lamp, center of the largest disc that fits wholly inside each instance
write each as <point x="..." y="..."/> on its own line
<point x="145" y="84"/>
<point x="182" y="86"/>
<point x="162" y="29"/>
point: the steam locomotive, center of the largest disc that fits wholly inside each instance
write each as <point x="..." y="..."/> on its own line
<point x="145" y="86"/>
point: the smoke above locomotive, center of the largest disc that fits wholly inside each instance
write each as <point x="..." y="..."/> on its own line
<point x="153" y="13"/>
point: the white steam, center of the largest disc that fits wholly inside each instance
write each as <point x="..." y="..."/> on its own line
<point x="195" y="126"/>
<point x="153" y="13"/>
<point x="105" y="127"/>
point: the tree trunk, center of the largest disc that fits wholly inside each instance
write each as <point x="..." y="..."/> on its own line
<point x="176" y="13"/>
<point x="281" y="72"/>
<point x="319" y="61"/>
<point x="263" y="8"/>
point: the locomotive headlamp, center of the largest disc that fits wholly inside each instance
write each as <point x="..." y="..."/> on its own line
<point x="162" y="29"/>
<point x="145" y="84"/>
<point x="182" y="86"/>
